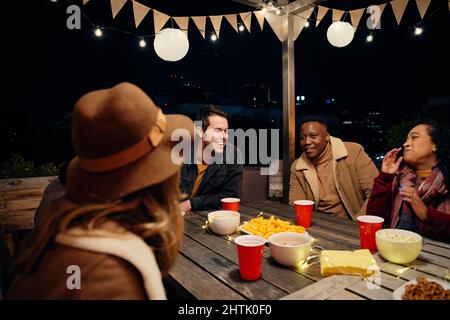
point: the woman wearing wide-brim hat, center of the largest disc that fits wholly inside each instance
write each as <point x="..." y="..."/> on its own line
<point x="118" y="229"/>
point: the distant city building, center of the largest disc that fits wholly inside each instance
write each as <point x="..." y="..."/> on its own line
<point x="257" y="95"/>
<point x="240" y="116"/>
<point x="182" y="90"/>
<point x="365" y="126"/>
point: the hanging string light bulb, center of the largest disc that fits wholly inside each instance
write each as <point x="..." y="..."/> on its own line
<point x="418" y="31"/>
<point x="98" y="32"/>
<point x="142" y="43"/>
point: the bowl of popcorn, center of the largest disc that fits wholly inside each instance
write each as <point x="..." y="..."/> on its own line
<point x="398" y="246"/>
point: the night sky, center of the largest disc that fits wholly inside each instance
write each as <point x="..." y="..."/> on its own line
<point x="48" y="67"/>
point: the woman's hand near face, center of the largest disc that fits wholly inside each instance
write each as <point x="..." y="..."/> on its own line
<point x="410" y="195"/>
<point x="390" y="164"/>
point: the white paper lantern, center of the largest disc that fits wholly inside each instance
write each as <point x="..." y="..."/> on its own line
<point x="340" y="34"/>
<point x="171" y="44"/>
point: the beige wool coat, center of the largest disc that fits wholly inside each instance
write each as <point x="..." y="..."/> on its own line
<point x="353" y="176"/>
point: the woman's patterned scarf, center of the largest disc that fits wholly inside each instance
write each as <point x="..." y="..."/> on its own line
<point x="431" y="190"/>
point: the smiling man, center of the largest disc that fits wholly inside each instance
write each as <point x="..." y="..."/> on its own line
<point x="338" y="176"/>
<point x="212" y="175"/>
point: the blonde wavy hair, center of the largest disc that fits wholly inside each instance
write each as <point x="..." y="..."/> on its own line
<point x="151" y="213"/>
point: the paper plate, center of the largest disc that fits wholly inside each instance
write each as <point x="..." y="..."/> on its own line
<point x="398" y="293"/>
<point x="267" y="241"/>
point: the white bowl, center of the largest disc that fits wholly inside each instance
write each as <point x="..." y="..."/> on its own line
<point x="398" y="246"/>
<point x="223" y="222"/>
<point x="290" y="248"/>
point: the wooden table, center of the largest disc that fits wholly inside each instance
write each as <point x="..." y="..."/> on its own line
<point x="207" y="267"/>
<point x="19" y="199"/>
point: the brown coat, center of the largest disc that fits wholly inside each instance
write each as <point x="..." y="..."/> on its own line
<point x="113" y="265"/>
<point x="354" y="173"/>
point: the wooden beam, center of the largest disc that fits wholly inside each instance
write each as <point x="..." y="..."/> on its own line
<point x="288" y="57"/>
<point x="288" y="75"/>
<point x="288" y="102"/>
<point x="300" y="6"/>
<point x="291" y="8"/>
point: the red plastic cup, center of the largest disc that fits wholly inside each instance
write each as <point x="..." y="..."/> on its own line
<point x="250" y="253"/>
<point x="368" y="226"/>
<point x="230" y="204"/>
<point x="303" y="210"/>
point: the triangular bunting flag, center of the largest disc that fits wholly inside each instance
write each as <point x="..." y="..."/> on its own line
<point x="260" y="17"/>
<point x="276" y="23"/>
<point x="183" y="23"/>
<point x="200" y="23"/>
<point x="85" y="1"/>
<point x="140" y="11"/>
<point x="247" y="19"/>
<point x="232" y="19"/>
<point x="216" y="21"/>
<point x="422" y="5"/>
<point x="160" y="20"/>
<point x="306" y="14"/>
<point x="399" y="6"/>
<point x="337" y="15"/>
<point x="320" y="14"/>
<point x="116" y="6"/>
<point x="299" y="24"/>
<point x="356" y="16"/>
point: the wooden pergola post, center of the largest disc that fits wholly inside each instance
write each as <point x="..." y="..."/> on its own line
<point x="288" y="82"/>
<point x="288" y="102"/>
<point x="289" y="88"/>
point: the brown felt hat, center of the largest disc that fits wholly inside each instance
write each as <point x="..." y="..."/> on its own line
<point x="123" y="144"/>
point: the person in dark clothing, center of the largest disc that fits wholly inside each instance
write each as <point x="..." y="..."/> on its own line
<point x="214" y="173"/>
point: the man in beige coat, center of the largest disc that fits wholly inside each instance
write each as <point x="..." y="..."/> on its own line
<point x="338" y="176"/>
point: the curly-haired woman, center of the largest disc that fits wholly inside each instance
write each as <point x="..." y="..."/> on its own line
<point x="412" y="191"/>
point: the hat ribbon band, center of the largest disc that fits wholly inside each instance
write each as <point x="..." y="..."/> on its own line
<point x="124" y="157"/>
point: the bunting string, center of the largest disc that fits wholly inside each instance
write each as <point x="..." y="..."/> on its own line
<point x="315" y="14"/>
